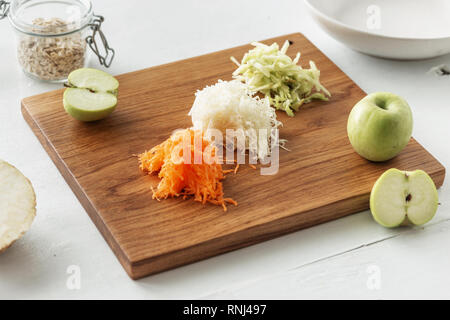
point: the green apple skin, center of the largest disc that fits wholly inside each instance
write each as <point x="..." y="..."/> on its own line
<point x="403" y="198"/>
<point x="78" y="108"/>
<point x="93" y="79"/>
<point x="380" y="126"/>
<point x="92" y="94"/>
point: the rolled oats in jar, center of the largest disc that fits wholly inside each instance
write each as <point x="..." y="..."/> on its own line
<point x="53" y="36"/>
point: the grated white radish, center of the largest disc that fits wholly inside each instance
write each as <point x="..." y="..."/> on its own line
<point x="231" y="105"/>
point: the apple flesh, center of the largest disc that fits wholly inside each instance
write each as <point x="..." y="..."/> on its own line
<point x="403" y="197"/>
<point x="380" y="126"/>
<point x="92" y="94"/>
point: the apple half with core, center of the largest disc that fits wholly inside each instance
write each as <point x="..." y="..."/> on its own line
<point x="403" y="197"/>
<point x="380" y="126"/>
<point x="92" y="94"/>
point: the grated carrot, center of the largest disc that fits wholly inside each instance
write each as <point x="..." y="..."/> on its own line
<point x="202" y="181"/>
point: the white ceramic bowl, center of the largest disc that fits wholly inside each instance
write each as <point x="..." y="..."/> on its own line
<point x="397" y="29"/>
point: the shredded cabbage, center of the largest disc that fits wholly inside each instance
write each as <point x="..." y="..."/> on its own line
<point x="231" y="105"/>
<point x="269" y="70"/>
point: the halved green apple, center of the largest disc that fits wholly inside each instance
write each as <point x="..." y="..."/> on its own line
<point x="92" y="94"/>
<point x="403" y="197"/>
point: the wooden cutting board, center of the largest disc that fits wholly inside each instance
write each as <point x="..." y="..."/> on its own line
<point x="320" y="179"/>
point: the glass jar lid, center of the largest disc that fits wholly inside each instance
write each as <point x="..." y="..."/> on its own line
<point x="29" y="16"/>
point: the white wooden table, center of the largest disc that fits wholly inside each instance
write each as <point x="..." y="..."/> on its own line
<point x="349" y="258"/>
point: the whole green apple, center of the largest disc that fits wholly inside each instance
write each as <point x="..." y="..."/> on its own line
<point x="380" y="126"/>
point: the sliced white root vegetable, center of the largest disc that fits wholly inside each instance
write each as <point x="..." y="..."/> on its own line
<point x="17" y="205"/>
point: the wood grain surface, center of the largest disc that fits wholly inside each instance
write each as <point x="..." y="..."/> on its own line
<point x="320" y="179"/>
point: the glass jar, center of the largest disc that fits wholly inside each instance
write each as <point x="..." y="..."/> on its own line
<point x="52" y="36"/>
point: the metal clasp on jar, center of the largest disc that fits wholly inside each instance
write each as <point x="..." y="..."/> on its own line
<point x="4" y="9"/>
<point x="107" y="58"/>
